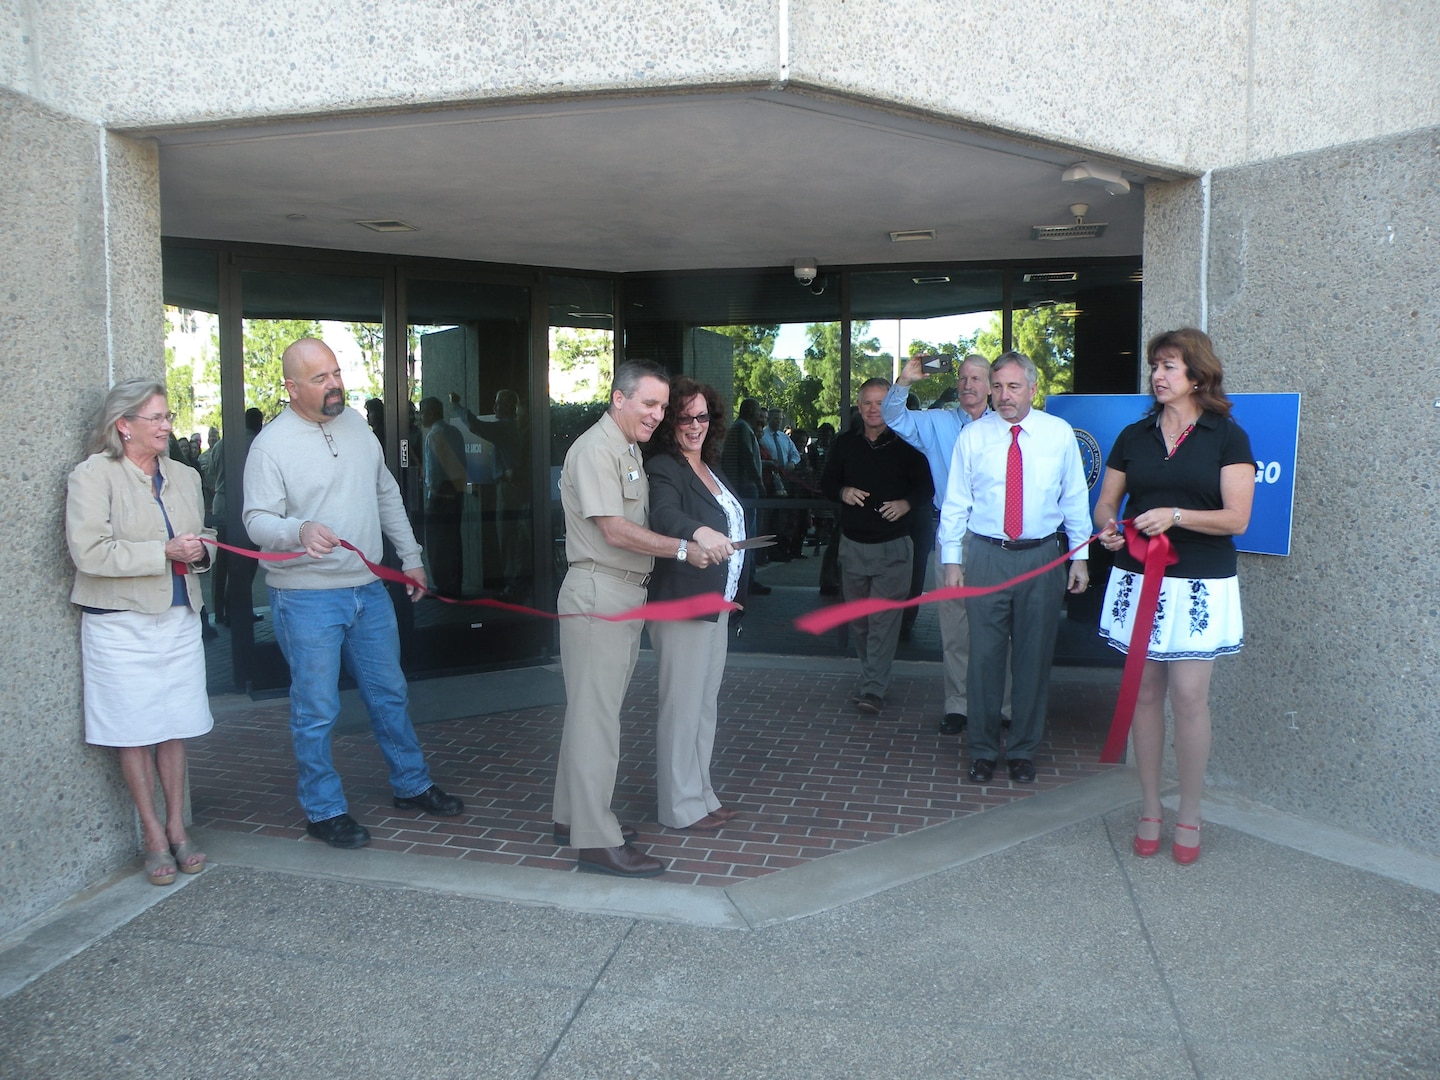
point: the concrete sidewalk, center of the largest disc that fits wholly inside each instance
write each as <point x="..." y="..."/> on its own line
<point x="1025" y="942"/>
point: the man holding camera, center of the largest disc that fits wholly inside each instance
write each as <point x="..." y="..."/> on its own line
<point x="933" y="432"/>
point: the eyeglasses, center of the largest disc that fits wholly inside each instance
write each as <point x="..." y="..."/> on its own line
<point x="168" y="417"/>
<point x="325" y="430"/>
<point x="699" y="419"/>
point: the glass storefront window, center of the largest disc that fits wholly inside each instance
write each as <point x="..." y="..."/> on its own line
<point x="468" y="484"/>
<point x="582" y="364"/>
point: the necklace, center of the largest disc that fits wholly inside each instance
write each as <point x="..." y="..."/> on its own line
<point x="1176" y="439"/>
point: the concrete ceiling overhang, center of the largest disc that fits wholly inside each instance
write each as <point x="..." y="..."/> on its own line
<point x="738" y="178"/>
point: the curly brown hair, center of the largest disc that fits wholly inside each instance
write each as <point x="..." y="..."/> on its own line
<point x="681" y="391"/>
<point x="1202" y="366"/>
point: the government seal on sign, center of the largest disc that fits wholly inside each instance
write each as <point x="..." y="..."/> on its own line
<point x="1090" y="456"/>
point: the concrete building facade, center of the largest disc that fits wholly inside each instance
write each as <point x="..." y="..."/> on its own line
<point x="1291" y="163"/>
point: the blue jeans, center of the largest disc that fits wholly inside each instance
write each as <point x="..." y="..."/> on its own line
<point x="315" y="629"/>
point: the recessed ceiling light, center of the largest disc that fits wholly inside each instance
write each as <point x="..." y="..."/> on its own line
<point x="386" y="225"/>
<point x="902" y="236"/>
<point x="1058" y="275"/>
<point x="591" y="315"/>
<point x="932" y="279"/>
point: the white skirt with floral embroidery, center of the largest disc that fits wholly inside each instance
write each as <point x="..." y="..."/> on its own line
<point x="1195" y="619"/>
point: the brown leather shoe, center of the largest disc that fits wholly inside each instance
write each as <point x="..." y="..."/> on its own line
<point x="561" y="833"/>
<point x="623" y="861"/>
<point x="708" y="823"/>
<point x="725" y="813"/>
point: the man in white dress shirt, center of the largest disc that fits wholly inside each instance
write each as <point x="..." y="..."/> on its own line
<point x="777" y="443"/>
<point x="1016" y="497"/>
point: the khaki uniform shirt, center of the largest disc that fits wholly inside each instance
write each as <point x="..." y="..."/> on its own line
<point x="603" y="476"/>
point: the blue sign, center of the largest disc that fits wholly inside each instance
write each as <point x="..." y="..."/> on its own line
<point x="1271" y="420"/>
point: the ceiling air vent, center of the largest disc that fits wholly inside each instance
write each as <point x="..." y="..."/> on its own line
<point x="387" y="225"/>
<point x="905" y="236"/>
<point x="1078" y="231"/>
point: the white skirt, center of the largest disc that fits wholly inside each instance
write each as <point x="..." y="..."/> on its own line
<point x="1195" y="618"/>
<point x="144" y="677"/>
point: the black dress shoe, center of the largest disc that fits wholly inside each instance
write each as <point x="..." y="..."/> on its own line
<point x="1022" y="770"/>
<point x="869" y="704"/>
<point x="982" y="769"/>
<point x="622" y="861"/>
<point x="341" y="831"/>
<point x="431" y="801"/>
<point x="561" y="833"/>
<point x="953" y="723"/>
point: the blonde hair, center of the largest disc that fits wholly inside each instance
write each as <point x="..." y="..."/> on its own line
<point x="122" y="401"/>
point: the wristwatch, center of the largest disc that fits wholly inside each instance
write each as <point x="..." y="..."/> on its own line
<point x="681" y="555"/>
<point x="1176" y="516"/>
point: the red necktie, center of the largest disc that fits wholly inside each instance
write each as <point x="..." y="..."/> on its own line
<point x="1014" y="488"/>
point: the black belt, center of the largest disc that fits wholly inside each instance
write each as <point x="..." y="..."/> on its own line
<point x="1018" y="545"/>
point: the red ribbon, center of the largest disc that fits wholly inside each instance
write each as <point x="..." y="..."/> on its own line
<point x="1155" y="553"/>
<point x="817" y="622"/>
<point x="691" y="607"/>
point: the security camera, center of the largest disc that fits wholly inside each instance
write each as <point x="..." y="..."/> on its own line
<point x="806" y="271"/>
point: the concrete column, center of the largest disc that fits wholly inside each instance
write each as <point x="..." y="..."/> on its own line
<point x="79" y="240"/>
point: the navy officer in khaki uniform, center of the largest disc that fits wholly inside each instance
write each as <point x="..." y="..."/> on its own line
<point x="605" y="495"/>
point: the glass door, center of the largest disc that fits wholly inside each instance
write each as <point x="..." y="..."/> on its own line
<point x="277" y="307"/>
<point x="467" y="470"/>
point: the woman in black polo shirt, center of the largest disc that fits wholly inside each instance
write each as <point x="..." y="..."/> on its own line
<point x="1186" y="470"/>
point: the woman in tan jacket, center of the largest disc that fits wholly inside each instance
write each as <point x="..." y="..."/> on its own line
<point x="133" y="522"/>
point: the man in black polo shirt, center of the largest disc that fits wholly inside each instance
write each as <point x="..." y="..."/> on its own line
<point x="876" y="477"/>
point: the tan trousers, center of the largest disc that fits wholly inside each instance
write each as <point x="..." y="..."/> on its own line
<point x="597" y="658"/>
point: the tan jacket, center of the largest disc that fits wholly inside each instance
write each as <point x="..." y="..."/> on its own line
<point x="116" y="533"/>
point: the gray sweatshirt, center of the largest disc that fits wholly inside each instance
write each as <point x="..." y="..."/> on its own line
<point x="292" y="476"/>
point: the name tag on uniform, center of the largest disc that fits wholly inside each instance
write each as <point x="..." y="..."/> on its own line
<point x="632" y="475"/>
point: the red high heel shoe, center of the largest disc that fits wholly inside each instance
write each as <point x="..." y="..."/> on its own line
<point x="1147" y="848"/>
<point x="1186" y="855"/>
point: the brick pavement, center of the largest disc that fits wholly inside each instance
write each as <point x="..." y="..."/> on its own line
<point x="810" y="776"/>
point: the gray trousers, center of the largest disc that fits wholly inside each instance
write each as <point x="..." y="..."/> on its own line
<point x="955" y="642"/>
<point x="881" y="571"/>
<point x="1017" y="624"/>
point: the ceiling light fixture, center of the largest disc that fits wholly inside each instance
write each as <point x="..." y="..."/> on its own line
<point x="931" y="279"/>
<point x="1107" y="176"/>
<point x="905" y="236"/>
<point x="387" y="225"/>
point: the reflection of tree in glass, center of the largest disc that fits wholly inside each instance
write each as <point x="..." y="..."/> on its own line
<point x="371" y="339"/>
<point x="1047" y="336"/>
<point x="180" y="392"/>
<point x="264" y="341"/>
<point x="582" y="362"/>
<point x="822" y="360"/>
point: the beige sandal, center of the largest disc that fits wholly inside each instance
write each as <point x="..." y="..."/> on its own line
<point x="160" y="867"/>
<point x="188" y="858"/>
